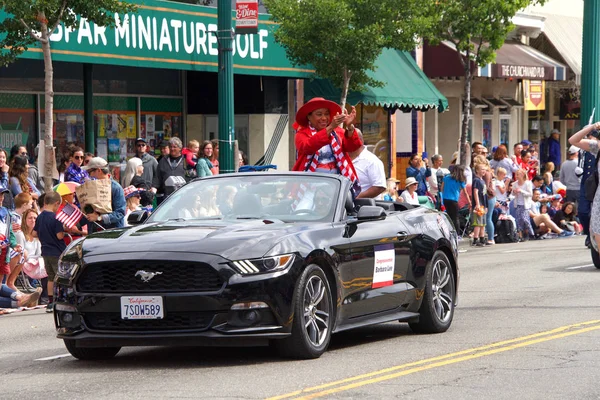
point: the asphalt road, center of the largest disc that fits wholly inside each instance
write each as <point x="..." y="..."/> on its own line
<point x="527" y="327"/>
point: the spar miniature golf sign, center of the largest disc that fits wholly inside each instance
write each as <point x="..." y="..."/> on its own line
<point x="246" y="16"/>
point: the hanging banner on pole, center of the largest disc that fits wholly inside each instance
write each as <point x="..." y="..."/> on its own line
<point x="246" y="16"/>
<point x="534" y="94"/>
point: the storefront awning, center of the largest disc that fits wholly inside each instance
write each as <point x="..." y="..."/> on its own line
<point x="513" y="60"/>
<point x="405" y="86"/>
<point x="519" y="61"/>
<point x="565" y="35"/>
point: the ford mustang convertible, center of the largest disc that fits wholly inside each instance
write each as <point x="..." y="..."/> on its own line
<point x="281" y="259"/>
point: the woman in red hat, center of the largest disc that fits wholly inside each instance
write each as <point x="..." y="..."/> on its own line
<point x="322" y="145"/>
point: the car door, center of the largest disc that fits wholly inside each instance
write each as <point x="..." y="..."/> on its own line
<point x="375" y="280"/>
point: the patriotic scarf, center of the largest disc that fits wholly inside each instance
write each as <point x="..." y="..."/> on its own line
<point x="343" y="164"/>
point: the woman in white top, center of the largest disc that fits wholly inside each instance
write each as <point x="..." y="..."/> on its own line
<point x="523" y="191"/>
<point x="410" y="195"/>
<point x="34" y="263"/>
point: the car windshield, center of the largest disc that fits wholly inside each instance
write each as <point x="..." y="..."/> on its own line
<point x="290" y="198"/>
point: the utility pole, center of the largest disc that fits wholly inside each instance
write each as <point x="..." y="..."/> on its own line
<point x="225" y="37"/>
<point x="590" y="71"/>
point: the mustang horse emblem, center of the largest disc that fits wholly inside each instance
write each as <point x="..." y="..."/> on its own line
<point x="146" y="276"/>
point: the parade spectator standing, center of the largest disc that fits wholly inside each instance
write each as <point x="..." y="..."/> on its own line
<point x="502" y="160"/>
<point x="477" y="149"/>
<point x="370" y="171"/>
<point x="204" y="166"/>
<point x="489" y="197"/>
<point x="528" y="165"/>
<point x="548" y="178"/>
<point x="517" y="151"/>
<point x="150" y="164"/>
<point x="321" y="144"/>
<point x="501" y="185"/>
<point x="437" y="174"/>
<point x="8" y="202"/>
<point x="419" y="169"/>
<point x="74" y="173"/>
<point x="214" y="159"/>
<point x="164" y="150"/>
<point x="523" y="191"/>
<point x="587" y="161"/>
<point x="87" y="158"/>
<point x="51" y="234"/>
<point x="98" y="169"/>
<point x="553" y="149"/>
<point x="19" y="178"/>
<point x="410" y="195"/>
<point x="479" y="209"/>
<point x="172" y="165"/>
<point x="452" y="186"/>
<point x="570" y="174"/>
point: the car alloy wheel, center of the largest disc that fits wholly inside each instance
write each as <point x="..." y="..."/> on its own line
<point x="443" y="291"/>
<point x="437" y="309"/>
<point x="313" y="316"/>
<point x="316" y="310"/>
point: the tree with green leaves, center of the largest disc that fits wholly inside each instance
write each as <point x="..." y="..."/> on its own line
<point x="31" y="23"/>
<point x="477" y="28"/>
<point x="342" y="39"/>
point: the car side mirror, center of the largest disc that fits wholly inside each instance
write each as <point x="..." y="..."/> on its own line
<point x="137" y="217"/>
<point x="370" y="213"/>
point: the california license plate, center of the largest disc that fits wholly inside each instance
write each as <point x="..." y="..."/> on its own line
<point x="142" y="307"/>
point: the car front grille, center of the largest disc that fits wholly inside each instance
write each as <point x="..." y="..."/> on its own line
<point x="171" y="321"/>
<point x="125" y="277"/>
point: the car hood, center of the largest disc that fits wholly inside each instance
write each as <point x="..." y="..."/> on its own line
<point x="231" y="240"/>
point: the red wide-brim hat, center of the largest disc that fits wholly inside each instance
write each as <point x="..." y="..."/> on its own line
<point x="314" y="104"/>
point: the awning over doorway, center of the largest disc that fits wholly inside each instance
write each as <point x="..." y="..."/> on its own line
<point x="513" y="60"/>
<point x="519" y="61"/>
<point x="405" y="86"/>
<point x="564" y="34"/>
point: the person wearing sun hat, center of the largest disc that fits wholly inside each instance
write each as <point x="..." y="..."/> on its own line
<point x="322" y="145"/>
<point x="132" y="197"/>
<point x="409" y="195"/>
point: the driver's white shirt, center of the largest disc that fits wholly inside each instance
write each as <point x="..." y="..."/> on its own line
<point x="369" y="169"/>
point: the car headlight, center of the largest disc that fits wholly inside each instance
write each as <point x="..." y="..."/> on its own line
<point x="70" y="260"/>
<point x="262" y="265"/>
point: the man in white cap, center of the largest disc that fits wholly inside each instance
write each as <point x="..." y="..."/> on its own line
<point x="570" y="174"/>
<point x="97" y="168"/>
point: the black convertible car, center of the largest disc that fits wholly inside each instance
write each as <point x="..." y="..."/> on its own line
<point x="285" y="259"/>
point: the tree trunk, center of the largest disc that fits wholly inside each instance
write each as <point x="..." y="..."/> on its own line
<point x="49" y="117"/>
<point x="466" y="112"/>
<point x="345" y="87"/>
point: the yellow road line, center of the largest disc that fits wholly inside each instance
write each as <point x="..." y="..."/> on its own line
<point x="447" y="359"/>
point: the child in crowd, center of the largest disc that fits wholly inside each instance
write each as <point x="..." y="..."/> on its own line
<point x="51" y="234"/>
<point x="523" y="191"/>
<point x="479" y="209"/>
<point x="8" y="241"/>
<point x="500" y="189"/>
<point x="191" y="153"/>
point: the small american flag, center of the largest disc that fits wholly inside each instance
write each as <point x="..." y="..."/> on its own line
<point x="14" y="253"/>
<point x="69" y="215"/>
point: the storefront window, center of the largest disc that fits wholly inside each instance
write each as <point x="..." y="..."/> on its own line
<point x="241" y="125"/>
<point x="504" y="127"/>
<point x="17" y="121"/>
<point x="487" y="133"/>
<point x="161" y="119"/>
<point x="68" y="125"/>
<point x="375" y="129"/>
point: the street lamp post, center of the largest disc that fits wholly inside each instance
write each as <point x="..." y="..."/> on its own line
<point x="590" y="69"/>
<point x="225" y="93"/>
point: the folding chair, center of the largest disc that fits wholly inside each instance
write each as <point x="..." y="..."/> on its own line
<point x="23" y="283"/>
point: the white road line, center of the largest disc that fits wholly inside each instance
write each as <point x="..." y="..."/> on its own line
<point x="513" y="251"/>
<point x="581" y="266"/>
<point x="53" y="357"/>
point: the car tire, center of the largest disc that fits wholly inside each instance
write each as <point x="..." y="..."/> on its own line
<point x="437" y="309"/>
<point x="90" y="353"/>
<point x="313" y="317"/>
<point x="595" y="257"/>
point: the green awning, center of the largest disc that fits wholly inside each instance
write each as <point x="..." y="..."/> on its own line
<point x="405" y="86"/>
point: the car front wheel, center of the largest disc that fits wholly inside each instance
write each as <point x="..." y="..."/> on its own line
<point x="437" y="309"/>
<point x="313" y="317"/>
<point x="595" y="257"/>
<point x="90" y="353"/>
